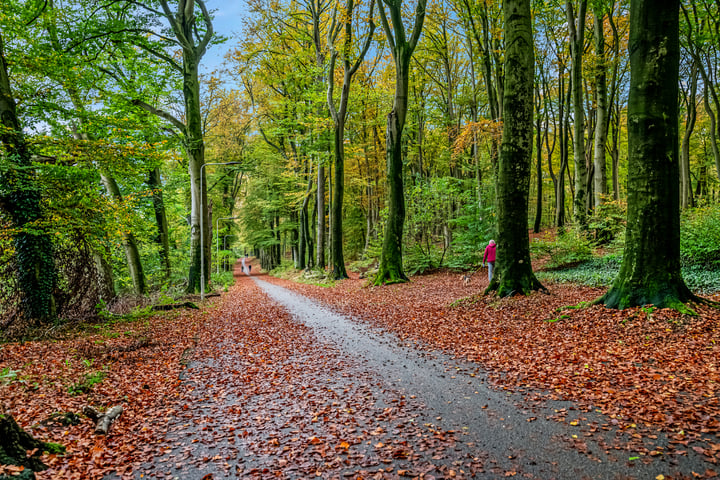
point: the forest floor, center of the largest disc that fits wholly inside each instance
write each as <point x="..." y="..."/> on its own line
<point x="242" y="388"/>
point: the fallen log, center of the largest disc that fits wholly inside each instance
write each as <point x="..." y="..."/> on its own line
<point x="20" y="452"/>
<point x="174" y="306"/>
<point x="103" y="421"/>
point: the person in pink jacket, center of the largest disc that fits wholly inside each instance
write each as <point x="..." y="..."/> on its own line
<point x="489" y="257"/>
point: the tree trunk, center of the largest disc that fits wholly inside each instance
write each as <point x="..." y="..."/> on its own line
<point x="132" y="254"/>
<point x="320" y="232"/>
<point x="713" y="131"/>
<point x="686" y="196"/>
<point x="614" y="109"/>
<point x="337" y="262"/>
<point x="650" y="272"/>
<point x="390" y="269"/>
<point x="514" y="271"/>
<point x="576" y="25"/>
<point x="15" y="443"/>
<point x="601" y="117"/>
<point x="563" y="98"/>
<point x="538" y="170"/>
<point x="163" y="236"/>
<point x="103" y="275"/>
<point x="193" y="45"/>
<point x="297" y="241"/>
<point x="198" y="184"/>
<point x="21" y="199"/>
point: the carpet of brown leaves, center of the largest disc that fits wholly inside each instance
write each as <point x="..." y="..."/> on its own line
<point x="648" y="371"/>
<point x="139" y="364"/>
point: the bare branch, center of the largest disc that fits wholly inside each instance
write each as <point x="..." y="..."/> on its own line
<point x="386" y="26"/>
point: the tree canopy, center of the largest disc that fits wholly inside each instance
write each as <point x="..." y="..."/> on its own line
<point x="370" y="135"/>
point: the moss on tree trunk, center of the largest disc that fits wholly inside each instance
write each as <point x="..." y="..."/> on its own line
<point x="514" y="273"/>
<point x="650" y="272"/>
<point x="15" y="444"/>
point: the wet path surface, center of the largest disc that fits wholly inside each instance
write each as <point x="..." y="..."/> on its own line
<point x="282" y="387"/>
<point x="516" y="434"/>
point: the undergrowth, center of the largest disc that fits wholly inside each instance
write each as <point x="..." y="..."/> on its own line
<point x="601" y="272"/>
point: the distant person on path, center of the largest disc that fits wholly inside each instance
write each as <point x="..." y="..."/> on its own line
<point x="243" y="264"/>
<point x="489" y="257"/>
<point x="249" y="267"/>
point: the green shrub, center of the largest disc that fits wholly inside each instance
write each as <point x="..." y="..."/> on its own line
<point x="568" y="249"/>
<point x="607" y="222"/>
<point x="472" y="229"/>
<point x="417" y="260"/>
<point x="700" y="237"/>
<point x="7" y="375"/>
<point x="87" y="383"/>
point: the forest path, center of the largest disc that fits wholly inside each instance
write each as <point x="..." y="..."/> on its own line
<point x="514" y="435"/>
<point x="281" y="386"/>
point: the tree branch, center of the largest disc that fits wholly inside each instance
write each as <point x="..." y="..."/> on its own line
<point x="386" y="27"/>
<point x="419" y="20"/>
<point x="162" y="114"/>
<point x="209" y="28"/>
<point x="368" y="41"/>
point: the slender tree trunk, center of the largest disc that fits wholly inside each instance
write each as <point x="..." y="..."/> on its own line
<point x="163" y="237"/>
<point x="686" y="196"/>
<point x="320" y="226"/>
<point x="576" y="25"/>
<point x="713" y="131"/>
<point x="304" y="223"/>
<point x="650" y="272"/>
<point x="564" y="155"/>
<point x="132" y="254"/>
<point x="297" y="245"/>
<point x="614" y="108"/>
<point x="514" y="271"/>
<point x="601" y="117"/>
<point x="538" y="170"/>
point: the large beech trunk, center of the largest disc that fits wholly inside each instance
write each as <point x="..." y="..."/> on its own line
<point x="514" y="272"/>
<point x="390" y="269"/>
<point x="650" y="272"/>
